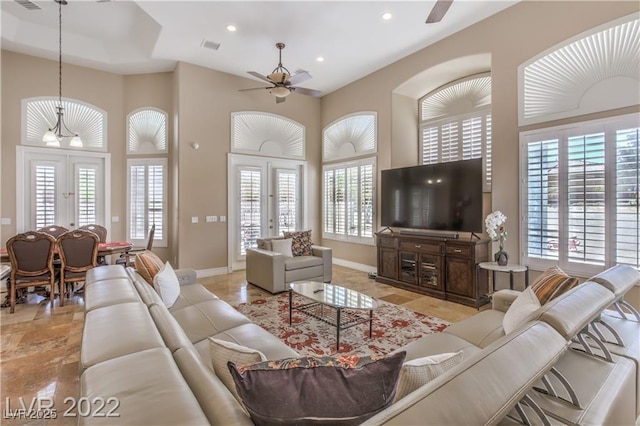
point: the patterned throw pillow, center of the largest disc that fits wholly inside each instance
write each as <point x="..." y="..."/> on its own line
<point x="301" y="242"/>
<point x="552" y="283"/>
<point x="418" y="372"/>
<point x="148" y="264"/>
<point x="341" y="390"/>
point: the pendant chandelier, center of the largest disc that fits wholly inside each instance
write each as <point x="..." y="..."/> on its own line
<point x="55" y="134"/>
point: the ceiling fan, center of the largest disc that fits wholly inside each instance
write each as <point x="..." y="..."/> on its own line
<point x="439" y="10"/>
<point x="282" y="82"/>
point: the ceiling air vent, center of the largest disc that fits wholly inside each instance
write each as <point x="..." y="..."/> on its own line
<point x="210" y="44"/>
<point x="28" y="4"/>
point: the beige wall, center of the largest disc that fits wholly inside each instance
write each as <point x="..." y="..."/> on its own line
<point x="509" y="38"/>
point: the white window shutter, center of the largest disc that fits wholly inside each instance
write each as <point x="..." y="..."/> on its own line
<point x="87" y="203"/>
<point x="250" y="208"/>
<point x="627" y="197"/>
<point x="45" y="195"/>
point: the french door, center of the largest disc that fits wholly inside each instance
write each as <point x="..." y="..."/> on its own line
<point x="61" y="187"/>
<point x="265" y="199"/>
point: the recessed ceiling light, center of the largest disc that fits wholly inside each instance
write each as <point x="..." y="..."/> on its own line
<point x="231" y="28"/>
<point x="320" y="59"/>
<point x="386" y="16"/>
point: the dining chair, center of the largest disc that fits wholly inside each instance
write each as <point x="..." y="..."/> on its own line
<point x="101" y="231"/>
<point x="31" y="256"/>
<point x="128" y="258"/>
<point x="78" y="251"/>
<point x="54" y="230"/>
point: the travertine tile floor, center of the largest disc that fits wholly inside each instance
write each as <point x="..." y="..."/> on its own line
<point x="39" y="346"/>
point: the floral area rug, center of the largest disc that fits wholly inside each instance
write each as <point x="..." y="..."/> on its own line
<point x="393" y="326"/>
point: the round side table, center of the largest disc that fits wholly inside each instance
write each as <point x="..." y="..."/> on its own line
<point x="511" y="268"/>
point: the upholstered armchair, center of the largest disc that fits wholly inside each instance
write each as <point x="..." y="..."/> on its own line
<point x="273" y="271"/>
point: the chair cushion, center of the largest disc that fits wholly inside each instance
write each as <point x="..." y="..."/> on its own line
<point x="359" y="388"/>
<point x="301" y="242"/>
<point x="520" y="310"/>
<point x="552" y="283"/>
<point x="299" y="262"/>
<point x="282" y="246"/>
<point x="419" y="372"/>
<point x="148" y="264"/>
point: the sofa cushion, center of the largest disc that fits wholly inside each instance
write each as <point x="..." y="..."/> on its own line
<point x="256" y="337"/>
<point x="480" y="330"/>
<point x="418" y="372"/>
<point x="166" y="284"/>
<point x="109" y="292"/>
<point x="223" y="352"/>
<point x="207" y="318"/>
<point x="148" y="265"/>
<point x="552" y="283"/>
<point x="359" y="388"/>
<point x="301" y="242"/>
<point x="618" y="279"/>
<point x="520" y="310"/>
<point x="438" y="343"/>
<point x="300" y="262"/>
<point x="282" y="246"/>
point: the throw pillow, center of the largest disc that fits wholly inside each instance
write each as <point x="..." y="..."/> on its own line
<point x="341" y="390"/>
<point x="552" y="283"/>
<point x="167" y="285"/>
<point x="301" y="242"/>
<point x="148" y="265"/>
<point x="520" y="310"/>
<point x="418" y="372"/>
<point x="223" y="352"/>
<point x="282" y="246"/>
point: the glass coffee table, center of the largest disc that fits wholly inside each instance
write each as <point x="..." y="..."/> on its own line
<point x="338" y="306"/>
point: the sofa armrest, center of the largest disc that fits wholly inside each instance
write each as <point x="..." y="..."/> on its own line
<point x="265" y="269"/>
<point x="186" y="276"/>
<point x="502" y="299"/>
<point x="326" y="253"/>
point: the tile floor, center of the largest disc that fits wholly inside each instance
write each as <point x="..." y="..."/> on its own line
<point x="39" y="346"/>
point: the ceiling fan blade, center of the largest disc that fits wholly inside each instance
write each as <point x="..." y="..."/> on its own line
<point x="260" y="76"/>
<point x="254" y="88"/>
<point x="438" y="11"/>
<point x="304" y="91"/>
<point x="299" y="77"/>
<point x="280" y="100"/>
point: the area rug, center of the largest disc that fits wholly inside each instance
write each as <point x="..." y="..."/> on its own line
<point x="393" y="326"/>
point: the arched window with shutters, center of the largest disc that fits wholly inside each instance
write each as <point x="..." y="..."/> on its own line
<point x="147" y="131"/>
<point x="455" y="123"/>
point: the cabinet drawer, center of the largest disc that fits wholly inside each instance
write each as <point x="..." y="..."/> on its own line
<point x="386" y="242"/>
<point x="465" y="251"/>
<point x="420" y="247"/>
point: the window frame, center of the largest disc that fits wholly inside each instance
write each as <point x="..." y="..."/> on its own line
<point x="157" y="242"/>
<point x="607" y="126"/>
<point x="345" y="165"/>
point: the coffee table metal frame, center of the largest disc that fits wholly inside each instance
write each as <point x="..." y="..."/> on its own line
<point x="340" y="323"/>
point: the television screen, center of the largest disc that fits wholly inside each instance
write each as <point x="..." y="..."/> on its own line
<point x="445" y="196"/>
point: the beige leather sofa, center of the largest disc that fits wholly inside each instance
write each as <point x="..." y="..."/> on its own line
<point x="155" y="361"/>
<point x="273" y="272"/>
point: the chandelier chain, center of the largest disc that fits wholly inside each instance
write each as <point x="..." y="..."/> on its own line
<point x="60" y="53"/>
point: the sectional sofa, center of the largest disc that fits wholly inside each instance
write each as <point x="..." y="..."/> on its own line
<point x="154" y="362"/>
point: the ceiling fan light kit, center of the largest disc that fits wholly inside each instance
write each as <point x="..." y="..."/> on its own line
<point x="283" y="81"/>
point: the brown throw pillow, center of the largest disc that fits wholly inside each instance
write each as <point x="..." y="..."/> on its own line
<point x="300" y="242"/>
<point x="552" y="283"/>
<point x="341" y="390"/>
<point x="148" y="265"/>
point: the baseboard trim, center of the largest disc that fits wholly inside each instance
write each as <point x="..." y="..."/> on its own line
<point x="354" y="265"/>
<point x="201" y="273"/>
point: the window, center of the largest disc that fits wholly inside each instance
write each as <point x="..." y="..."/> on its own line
<point x="349" y="200"/>
<point x="250" y="181"/>
<point x="456" y="123"/>
<point x="147" y="131"/>
<point x="269" y="135"/>
<point x="147" y="183"/>
<point x="580" y="193"/>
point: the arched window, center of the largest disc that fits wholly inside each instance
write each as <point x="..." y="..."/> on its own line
<point x="88" y="121"/>
<point x="264" y="134"/>
<point x="455" y="123"/>
<point x="147" y="131"/>
<point x="350" y="136"/>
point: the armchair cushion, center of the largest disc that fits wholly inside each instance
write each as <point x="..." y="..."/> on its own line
<point x="301" y="242"/>
<point x="293" y="263"/>
<point x="282" y="246"/>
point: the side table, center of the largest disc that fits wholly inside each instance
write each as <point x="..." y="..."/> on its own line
<point x="511" y="268"/>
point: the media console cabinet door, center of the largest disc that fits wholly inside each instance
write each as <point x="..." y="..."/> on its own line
<point x="460" y="277"/>
<point x="388" y="262"/>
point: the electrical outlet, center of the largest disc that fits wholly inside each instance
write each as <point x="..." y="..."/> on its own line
<point x="223" y="218"/>
<point x="194" y="219"/>
<point x="115" y="219"/>
<point x="212" y="218"/>
<point x="5" y="221"/>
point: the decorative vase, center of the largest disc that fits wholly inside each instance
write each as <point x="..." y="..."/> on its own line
<point x="501" y="257"/>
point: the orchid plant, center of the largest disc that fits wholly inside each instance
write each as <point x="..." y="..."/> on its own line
<point x="494" y="223"/>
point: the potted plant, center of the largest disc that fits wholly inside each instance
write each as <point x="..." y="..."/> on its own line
<point x="494" y="223"/>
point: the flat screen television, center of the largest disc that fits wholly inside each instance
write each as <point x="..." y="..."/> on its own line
<point x="443" y="197"/>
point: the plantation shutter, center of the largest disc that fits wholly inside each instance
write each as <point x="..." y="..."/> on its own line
<point x="340" y="202"/>
<point x="156" y="197"/>
<point x="250" y="208"/>
<point x="287" y="199"/>
<point x="147" y="200"/>
<point x="329" y="201"/>
<point x="487" y="155"/>
<point x="87" y="203"/>
<point x="586" y="199"/>
<point x="627" y="201"/>
<point x="449" y="142"/>
<point x="137" y="202"/>
<point x="472" y="138"/>
<point x="45" y="195"/>
<point x="352" y="190"/>
<point x="430" y="144"/>
<point x="366" y="200"/>
<point x="542" y="200"/>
